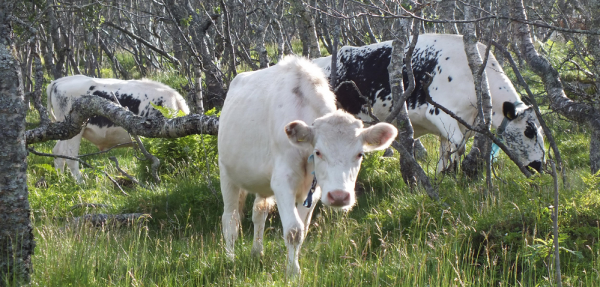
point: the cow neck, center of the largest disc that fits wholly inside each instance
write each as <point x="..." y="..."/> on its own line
<point x="500" y="132"/>
<point x="308" y="201"/>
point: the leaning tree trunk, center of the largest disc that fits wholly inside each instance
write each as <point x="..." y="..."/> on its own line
<point x="472" y="165"/>
<point x="559" y="102"/>
<point x="16" y="237"/>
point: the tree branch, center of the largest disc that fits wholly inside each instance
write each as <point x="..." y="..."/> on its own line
<point x="148" y="44"/>
<point x="88" y="106"/>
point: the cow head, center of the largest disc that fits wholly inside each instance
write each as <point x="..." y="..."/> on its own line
<point x="338" y="142"/>
<point x="522" y="134"/>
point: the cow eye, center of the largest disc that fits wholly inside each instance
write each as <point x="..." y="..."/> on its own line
<point x="530" y="131"/>
<point x="318" y="153"/>
<point x="360" y="155"/>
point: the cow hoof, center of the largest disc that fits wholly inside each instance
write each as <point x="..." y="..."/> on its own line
<point x="257" y="252"/>
<point x="293" y="270"/>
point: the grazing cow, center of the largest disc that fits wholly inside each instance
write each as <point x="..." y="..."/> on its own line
<point x="135" y="95"/>
<point x="442" y="56"/>
<point x="278" y="126"/>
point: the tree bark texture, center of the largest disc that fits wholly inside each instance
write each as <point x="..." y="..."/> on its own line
<point x="308" y="32"/>
<point x="16" y="237"/>
<point x="447" y="8"/>
<point x="473" y="163"/>
<point x="215" y="92"/>
<point x="559" y="102"/>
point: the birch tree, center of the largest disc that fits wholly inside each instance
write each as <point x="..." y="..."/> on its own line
<point x="472" y="164"/>
<point x="581" y="112"/>
<point x="16" y="237"/>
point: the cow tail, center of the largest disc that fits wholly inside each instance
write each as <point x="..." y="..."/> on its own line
<point x="49" y="101"/>
<point x="181" y="105"/>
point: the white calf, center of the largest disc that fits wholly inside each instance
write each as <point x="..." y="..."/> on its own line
<point x="277" y="127"/>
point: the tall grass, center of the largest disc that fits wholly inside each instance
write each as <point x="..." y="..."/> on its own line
<point x="395" y="236"/>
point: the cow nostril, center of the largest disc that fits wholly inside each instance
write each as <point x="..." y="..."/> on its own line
<point x="338" y="198"/>
<point x="536" y="164"/>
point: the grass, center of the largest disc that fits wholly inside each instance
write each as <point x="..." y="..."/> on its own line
<point x="393" y="237"/>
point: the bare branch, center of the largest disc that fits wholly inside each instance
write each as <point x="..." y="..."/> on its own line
<point x="88" y="106"/>
<point x="146" y="43"/>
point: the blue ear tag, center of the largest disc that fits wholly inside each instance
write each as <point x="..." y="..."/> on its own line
<point x="495" y="152"/>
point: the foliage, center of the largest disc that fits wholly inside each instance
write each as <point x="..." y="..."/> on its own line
<point x="193" y="151"/>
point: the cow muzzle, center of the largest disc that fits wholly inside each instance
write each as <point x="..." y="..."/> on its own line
<point x="338" y="198"/>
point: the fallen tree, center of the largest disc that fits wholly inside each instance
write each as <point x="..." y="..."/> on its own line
<point x="88" y="106"/>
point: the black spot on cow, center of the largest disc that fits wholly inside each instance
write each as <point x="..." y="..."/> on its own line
<point x="500" y="88"/>
<point x="530" y="130"/>
<point x="447" y="58"/>
<point x="125" y="100"/>
<point x="431" y="112"/>
<point x="437" y="111"/>
<point x="92" y="88"/>
<point x="369" y="72"/>
<point x="424" y="62"/>
<point x="449" y="79"/>
<point x="384" y="105"/>
<point x="493" y="64"/>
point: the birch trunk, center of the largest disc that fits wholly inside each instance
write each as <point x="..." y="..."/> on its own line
<point x="472" y="165"/>
<point x="16" y="237"/>
<point x="559" y="102"/>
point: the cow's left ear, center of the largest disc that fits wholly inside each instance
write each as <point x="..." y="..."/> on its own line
<point x="379" y="136"/>
<point x="509" y="110"/>
<point x="299" y="133"/>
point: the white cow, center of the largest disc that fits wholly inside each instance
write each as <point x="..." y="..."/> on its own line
<point x="136" y="95"/>
<point x="277" y="126"/>
<point x="442" y="56"/>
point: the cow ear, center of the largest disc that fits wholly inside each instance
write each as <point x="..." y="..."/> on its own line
<point x="509" y="110"/>
<point x="379" y="136"/>
<point x="299" y="133"/>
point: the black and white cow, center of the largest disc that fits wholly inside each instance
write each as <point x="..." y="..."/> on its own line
<point x="136" y="95"/>
<point x="443" y="57"/>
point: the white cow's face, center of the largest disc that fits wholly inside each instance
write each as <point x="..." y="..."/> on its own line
<point x="339" y="142"/>
<point x="523" y="135"/>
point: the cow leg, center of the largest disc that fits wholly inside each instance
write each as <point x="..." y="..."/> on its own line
<point x="293" y="227"/>
<point x="445" y="157"/>
<point x="231" y="214"/>
<point x="451" y="137"/>
<point x="69" y="148"/>
<point x="59" y="163"/>
<point x="305" y="213"/>
<point x="260" y="210"/>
